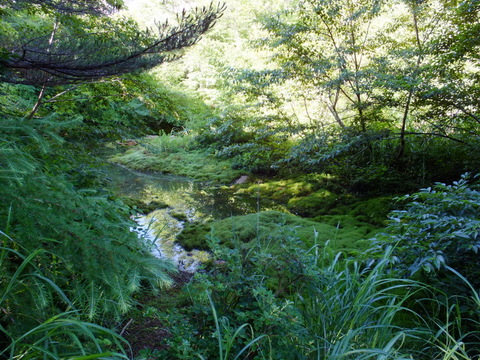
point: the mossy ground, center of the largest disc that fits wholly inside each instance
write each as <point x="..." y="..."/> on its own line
<point x="176" y="157"/>
<point x="343" y="219"/>
<point x="316" y="208"/>
<point x="141" y="206"/>
<point x="316" y="196"/>
<point x="351" y="237"/>
<point x="300" y="186"/>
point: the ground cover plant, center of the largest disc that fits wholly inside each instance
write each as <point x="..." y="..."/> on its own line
<point x="273" y="224"/>
<point x="29" y="328"/>
<point x="435" y="238"/>
<point x="438" y="228"/>
<point x="70" y="266"/>
<point x="177" y="154"/>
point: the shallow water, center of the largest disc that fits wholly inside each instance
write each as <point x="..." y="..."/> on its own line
<point x="187" y="200"/>
<point x="197" y="200"/>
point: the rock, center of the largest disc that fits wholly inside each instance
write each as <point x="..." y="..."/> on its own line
<point x="241" y="180"/>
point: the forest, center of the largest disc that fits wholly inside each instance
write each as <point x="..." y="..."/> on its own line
<point x="288" y="179"/>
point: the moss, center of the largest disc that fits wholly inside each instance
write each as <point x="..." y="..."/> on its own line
<point x="314" y="196"/>
<point x="299" y="186"/>
<point x="195" y="164"/>
<point x="179" y="216"/>
<point x="281" y="189"/>
<point x="372" y="211"/>
<point x="271" y="225"/>
<point x="319" y="202"/>
<point x="142" y="206"/>
<point x="194" y="235"/>
<point x="278" y="189"/>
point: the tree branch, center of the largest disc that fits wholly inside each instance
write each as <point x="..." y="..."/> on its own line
<point x="92" y="57"/>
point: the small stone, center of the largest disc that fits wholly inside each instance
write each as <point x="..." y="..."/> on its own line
<point x="241" y="180"/>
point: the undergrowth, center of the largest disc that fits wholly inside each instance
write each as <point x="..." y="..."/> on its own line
<point x="268" y="293"/>
<point x="275" y="299"/>
<point x="69" y="264"/>
<point x="32" y="326"/>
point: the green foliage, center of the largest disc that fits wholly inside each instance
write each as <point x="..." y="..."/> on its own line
<point x="31" y="325"/>
<point x="438" y="227"/>
<point x="326" y="45"/>
<point x="367" y="91"/>
<point x="255" y="143"/>
<point x="271" y="225"/>
<point x="227" y="339"/>
<point x="243" y="293"/>
<point x="54" y="45"/>
<point x="352" y="310"/>
<point x="319" y="196"/>
<point x="367" y="163"/>
<point x="449" y="89"/>
<point x="349" y="84"/>
<point x="362" y="162"/>
<point x="122" y="108"/>
<point x="310" y="304"/>
<point x="203" y="70"/>
<point x="51" y="201"/>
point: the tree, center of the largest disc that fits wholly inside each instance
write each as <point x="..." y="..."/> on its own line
<point x="72" y="47"/>
<point x="327" y="45"/>
<point x="451" y="93"/>
<point x="53" y="202"/>
<point x="416" y="79"/>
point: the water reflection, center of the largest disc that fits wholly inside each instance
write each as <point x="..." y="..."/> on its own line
<point x="196" y="200"/>
<point x="187" y="201"/>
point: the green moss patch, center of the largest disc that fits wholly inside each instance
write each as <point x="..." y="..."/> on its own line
<point x="142" y="206"/>
<point x="315" y="196"/>
<point x="372" y="211"/>
<point x="319" y="202"/>
<point x="285" y="189"/>
<point x="195" y="164"/>
<point x="271" y="225"/>
<point x="194" y="236"/>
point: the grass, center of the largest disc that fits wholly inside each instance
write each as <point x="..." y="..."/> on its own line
<point x="349" y="310"/>
<point x="352" y="310"/>
<point x="333" y="306"/>
<point x="226" y="337"/>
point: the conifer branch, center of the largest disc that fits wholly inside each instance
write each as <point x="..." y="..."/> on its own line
<point x="97" y="55"/>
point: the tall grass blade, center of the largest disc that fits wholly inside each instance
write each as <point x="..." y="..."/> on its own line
<point x="217" y="326"/>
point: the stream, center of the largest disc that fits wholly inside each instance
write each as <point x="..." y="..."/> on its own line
<point x="185" y="201"/>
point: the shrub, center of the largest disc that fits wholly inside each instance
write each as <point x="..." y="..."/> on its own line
<point x="439" y="226"/>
